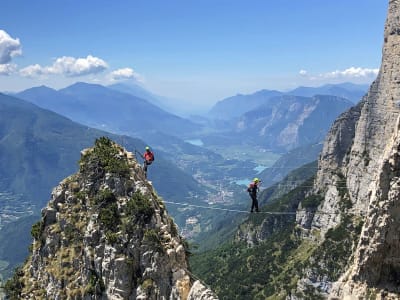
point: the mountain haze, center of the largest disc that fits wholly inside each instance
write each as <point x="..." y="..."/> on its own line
<point x="167" y="104"/>
<point x="235" y="106"/>
<point x="289" y="161"/>
<point x="290" y="121"/>
<point x="97" y="106"/>
<point x="350" y="91"/>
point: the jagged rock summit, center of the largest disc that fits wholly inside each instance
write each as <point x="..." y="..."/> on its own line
<point x="359" y="178"/>
<point x="105" y="234"/>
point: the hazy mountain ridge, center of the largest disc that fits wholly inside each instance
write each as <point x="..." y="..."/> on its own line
<point x="136" y="90"/>
<point x="289" y="161"/>
<point x="292" y="121"/>
<point x="350" y="91"/>
<point x="235" y="106"/>
<point x="97" y="106"/>
<point x="285" y="123"/>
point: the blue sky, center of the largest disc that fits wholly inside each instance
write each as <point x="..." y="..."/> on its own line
<point x="196" y="51"/>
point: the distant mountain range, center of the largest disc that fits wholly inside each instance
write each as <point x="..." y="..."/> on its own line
<point x="289" y="161"/>
<point x="140" y="92"/>
<point x="105" y="108"/>
<point x="238" y="105"/>
<point x="350" y="91"/>
<point x="292" y="121"/>
<point x="283" y="123"/>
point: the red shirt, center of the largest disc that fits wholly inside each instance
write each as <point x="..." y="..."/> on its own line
<point x="148" y="155"/>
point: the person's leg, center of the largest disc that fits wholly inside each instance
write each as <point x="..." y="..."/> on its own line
<point x="145" y="168"/>
<point x="253" y="205"/>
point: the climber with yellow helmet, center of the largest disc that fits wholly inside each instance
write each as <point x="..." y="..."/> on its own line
<point x="253" y="189"/>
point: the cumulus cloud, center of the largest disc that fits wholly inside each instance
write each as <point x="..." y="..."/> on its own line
<point x="7" y="69"/>
<point x="9" y="47"/>
<point x="351" y="72"/>
<point x="303" y="72"/>
<point x="71" y="67"/>
<point x="123" y="74"/>
<point x="67" y="66"/>
<point x="32" y="71"/>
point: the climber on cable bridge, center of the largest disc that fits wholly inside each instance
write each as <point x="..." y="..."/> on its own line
<point x="253" y="188"/>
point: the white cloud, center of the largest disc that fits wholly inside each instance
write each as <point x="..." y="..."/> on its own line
<point x="351" y="72"/>
<point x="71" y="67"/>
<point x="303" y="72"/>
<point x="9" y="47"/>
<point x="7" y="69"/>
<point x="32" y="71"/>
<point x="124" y="73"/>
<point x="67" y="66"/>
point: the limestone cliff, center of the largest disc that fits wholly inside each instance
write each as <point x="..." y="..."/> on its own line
<point x="105" y="234"/>
<point x="359" y="177"/>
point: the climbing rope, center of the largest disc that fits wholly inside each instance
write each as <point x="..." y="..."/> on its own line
<point x="230" y="210"/>
<point x="261" y="212"/>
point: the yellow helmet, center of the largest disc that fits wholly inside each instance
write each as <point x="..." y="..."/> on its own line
<point x="256" y="179"/>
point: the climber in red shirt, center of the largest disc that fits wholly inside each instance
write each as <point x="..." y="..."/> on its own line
<point x="148" y="157"/>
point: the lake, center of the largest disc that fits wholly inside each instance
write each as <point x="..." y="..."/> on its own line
<point x="196" y="142"/>
<point x="246" y="181"/>
<point x="259" y="169"/>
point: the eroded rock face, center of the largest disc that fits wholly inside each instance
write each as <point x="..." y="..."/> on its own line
<point x="105" y="234"/>
<point x="358" y="174"/>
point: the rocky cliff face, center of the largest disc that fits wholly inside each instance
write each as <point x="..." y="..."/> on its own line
<point x="359" y="171"/>
<point x="105" y="234"/>
<point x="287" y="122"/>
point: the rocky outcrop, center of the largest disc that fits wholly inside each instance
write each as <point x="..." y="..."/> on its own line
<point x="105" y="234"/>
<point x="358" y="175"/>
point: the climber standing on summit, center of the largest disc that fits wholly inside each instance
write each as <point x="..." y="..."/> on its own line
<point x="253" y="189"/>
<point x="148" y="158"/>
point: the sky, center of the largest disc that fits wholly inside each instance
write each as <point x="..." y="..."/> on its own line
<point x="195" y="51"/>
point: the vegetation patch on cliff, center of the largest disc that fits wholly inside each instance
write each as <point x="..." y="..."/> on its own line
<point x="332" y="256"/>
<point x="105" y="155"/>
